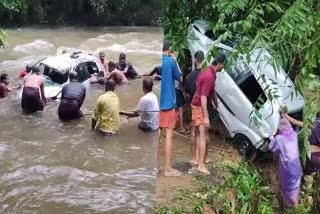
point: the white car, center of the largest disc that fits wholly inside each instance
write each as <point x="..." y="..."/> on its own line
<point x="56" y="69"/>
<point x="239" y="86"/>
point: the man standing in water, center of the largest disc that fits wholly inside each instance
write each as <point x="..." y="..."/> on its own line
<point x="72" y="97"/>
<point x="4" y="86"/>
<point x="104" y="63"/>
<point x="106" y="118"/>
<point x="31" y="100"/>
<point x="147" y="108"/>
<point x="116" y="75"/>
<point x="126" y="67"/>
<point x="168" y="116"/>
<point x="200" y="117"/>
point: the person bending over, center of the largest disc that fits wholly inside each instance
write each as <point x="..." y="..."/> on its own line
<point x="72" y="97"/>
<point x="33" y="97"/>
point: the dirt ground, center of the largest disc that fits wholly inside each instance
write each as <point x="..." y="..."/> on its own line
<point x="221" y="149"/>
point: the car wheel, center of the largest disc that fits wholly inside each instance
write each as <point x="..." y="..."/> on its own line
<point x="245" y="147"/>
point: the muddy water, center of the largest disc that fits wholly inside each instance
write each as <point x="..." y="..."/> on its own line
<point x="51" y="167"/>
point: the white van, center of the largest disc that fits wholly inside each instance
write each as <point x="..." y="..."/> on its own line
<point x="239" y="87"/>
<point x="56" y="69"/>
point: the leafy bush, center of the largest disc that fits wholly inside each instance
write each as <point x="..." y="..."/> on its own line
<point x="245" y="191"/>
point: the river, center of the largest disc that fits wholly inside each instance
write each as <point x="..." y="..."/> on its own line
<point x="47" y="166"/>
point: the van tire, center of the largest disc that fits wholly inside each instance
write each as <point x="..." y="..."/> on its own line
<point x="245" y="147"/>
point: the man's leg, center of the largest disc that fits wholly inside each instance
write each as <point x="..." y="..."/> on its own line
<point x="207" y="160"/>
<point x="193" y="144"/>
<point x="169" y="133"/>
<point x="202" y="146"/>
<point x="158" y="153"/>
<point x="181" y="118"/>
<point x="197" y="158"/>
<point x="169" y="170"/>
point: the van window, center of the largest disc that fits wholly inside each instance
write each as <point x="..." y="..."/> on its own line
<point x="210" y="34"/>
<point x="241" y="73"/>
<point x="53" y="75"/>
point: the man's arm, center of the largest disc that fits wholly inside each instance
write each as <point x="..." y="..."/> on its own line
<point x="110" y="75"/>
<point x="273" y="145"/>
<point x="135" y="113"/>
<point x="93" y="123"/>
<point x="82" y="98"/>
<point x="176" y="70"/>
<point x="215" y="99"/>
<point x="130" y="113"/>
<point x="204" y="102"/>
<point x="44" y="99"/>
<point x="294" y="121"/>
<point x="126" y="69"/>
<point x="14" y="88"/>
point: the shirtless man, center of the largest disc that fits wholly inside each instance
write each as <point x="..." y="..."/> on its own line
<point x="33" y="86"/>
<point x="116" y="75"/>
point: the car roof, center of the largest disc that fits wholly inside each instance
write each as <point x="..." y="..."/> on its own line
<point x="64" y="62"/>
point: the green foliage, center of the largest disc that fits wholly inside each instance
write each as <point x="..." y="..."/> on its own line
<point x="92" y="12"/>
<point x="245" y="191"/>
<point x="309" y="197"/>
<point x="193" y="203"/>
<point x="12" y="5"/>
<point x="3" y="38"/>
<point x="9" y="5"/>
<point x="132" y="11"/>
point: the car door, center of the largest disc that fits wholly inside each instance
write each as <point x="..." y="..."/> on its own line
<point x="237" y="103"/>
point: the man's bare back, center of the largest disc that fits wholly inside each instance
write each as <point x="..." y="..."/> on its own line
<point x="33" y="80"/>
<point x="117" y="76"/>
<point x="36" y="81"/>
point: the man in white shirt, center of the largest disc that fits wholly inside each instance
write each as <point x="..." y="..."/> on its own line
<point x="147" y="109"/>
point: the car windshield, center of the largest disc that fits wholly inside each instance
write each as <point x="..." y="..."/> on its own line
<point x="52" y="76"/>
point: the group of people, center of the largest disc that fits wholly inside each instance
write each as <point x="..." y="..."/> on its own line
<point x="105" y="117"/>
<point x="199" y="91"/>
<point x="118" y="72"/>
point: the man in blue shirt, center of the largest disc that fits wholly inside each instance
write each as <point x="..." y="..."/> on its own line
<point x="168" y="116"/>
<point x="72" y="97"/>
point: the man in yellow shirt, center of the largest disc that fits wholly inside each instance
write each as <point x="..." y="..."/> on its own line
<point x="106" y="118"/>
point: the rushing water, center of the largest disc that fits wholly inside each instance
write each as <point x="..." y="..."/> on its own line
<point x="47" y="166"/>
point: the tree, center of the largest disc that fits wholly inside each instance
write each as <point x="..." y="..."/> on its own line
<point x="289" y="29"/>
<point x="9" y="5"/>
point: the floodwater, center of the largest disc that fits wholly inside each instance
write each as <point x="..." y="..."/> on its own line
<point x="47" y="166"/>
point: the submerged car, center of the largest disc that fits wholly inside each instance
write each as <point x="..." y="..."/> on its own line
<point x="56" y="70"/>
<point x="239" y="86"/>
